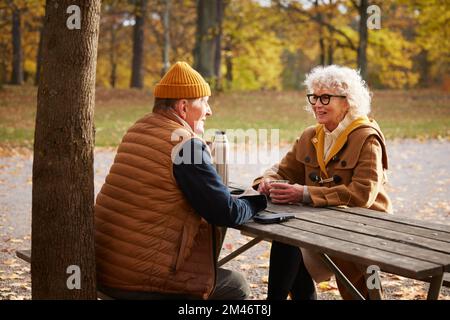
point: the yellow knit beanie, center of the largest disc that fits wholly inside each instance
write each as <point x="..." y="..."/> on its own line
<point x="182" y="82"/>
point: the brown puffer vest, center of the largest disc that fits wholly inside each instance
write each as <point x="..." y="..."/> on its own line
<point x="148" y="237"/>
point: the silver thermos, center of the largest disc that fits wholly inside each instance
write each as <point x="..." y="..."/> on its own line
<point x="219" y="152"/>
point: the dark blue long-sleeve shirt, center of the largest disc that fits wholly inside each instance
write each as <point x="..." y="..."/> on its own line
<point x="205" y="191"/>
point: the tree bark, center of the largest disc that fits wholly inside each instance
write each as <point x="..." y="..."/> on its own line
<point x="363" y="36"/>
<point x="319" y="18"/>
<point x="330" y="52"/>
<point x="205" y="46"/>
<point x="218" y="49"/>
<point x="17" y="66"/>
<point x="166" y="30"/>
<point x="229" y="62"/>
<point x="39" y="58"/>
<point x="63" y="179"/>
<point x="113" y="55"/>
<point x="137" y="77"/>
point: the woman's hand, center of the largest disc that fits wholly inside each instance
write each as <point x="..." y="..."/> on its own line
<point x="286" y="193"/>
<point x="264" y="186"/>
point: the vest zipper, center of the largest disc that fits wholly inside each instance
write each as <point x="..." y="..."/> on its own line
<point x="213" y="232"/>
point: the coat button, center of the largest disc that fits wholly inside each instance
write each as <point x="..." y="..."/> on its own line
<point x="307" y="159"/>
<point x="343" y="163"/>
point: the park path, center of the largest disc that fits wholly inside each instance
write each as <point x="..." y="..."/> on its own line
<point x="419" y="185"/>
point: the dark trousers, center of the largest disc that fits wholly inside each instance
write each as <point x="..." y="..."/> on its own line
<point x="230" y="285"/>
<point x="288" y="274"/>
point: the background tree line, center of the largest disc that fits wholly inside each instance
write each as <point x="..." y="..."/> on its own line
<point x="245" y="44"/>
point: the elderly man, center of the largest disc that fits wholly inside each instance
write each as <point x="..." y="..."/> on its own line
<point x="158" y="213"/>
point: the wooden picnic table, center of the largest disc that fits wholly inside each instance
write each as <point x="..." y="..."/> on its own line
<point x="403" y="246"/>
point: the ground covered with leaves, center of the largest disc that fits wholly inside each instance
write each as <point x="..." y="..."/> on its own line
<point x="419" y="185"/>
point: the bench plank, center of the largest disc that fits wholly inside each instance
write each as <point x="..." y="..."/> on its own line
<point x="24" y="255"/>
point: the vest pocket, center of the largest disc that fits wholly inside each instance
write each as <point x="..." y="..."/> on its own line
<point x="179" y="260"/>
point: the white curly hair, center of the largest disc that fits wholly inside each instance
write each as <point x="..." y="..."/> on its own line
<point x="343" y="81"/>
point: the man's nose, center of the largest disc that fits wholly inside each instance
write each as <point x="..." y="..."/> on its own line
<point x="208" y="111"/>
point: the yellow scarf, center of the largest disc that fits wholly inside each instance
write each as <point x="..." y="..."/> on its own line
<point x="318" y="141"/>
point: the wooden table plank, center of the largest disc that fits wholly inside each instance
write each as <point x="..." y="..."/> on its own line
<point x="391" y="217"/>
<point x="391" y="225"/>
<point x="322" y="216"/>
<point x="375" y="218"/>
<point x="387" y="261"/>
<point x="373" y="242"/>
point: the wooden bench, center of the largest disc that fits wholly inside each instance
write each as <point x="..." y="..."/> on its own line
<point x="25" y="255"/>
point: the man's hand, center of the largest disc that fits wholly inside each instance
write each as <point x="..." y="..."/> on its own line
<point x="286" y="193"/>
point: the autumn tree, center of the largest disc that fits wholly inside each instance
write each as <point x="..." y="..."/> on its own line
<point x="433" y="39"/>
<point x="252" y="47"/>
<point x="20" y="23"/>
<point x="172" y="25"/>
<point x="63" y="255"/>
<point x="363" y="37"/>
<point x="137" y="78"/>
<point x="206" y="44"/>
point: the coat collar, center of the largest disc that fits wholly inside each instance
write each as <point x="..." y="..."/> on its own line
<point x="318" y="141"/>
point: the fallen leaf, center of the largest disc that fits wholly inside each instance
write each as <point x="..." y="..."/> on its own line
<point x="245" y="266"/>
<point x="326" y="286"/>
<point x="15" y="276"/>
<point x="9" y="262"/>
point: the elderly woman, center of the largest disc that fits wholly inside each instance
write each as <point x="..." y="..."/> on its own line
<point x="339" y="161"/>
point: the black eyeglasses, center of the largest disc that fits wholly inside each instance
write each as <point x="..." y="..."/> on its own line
<point x="324" y="99"/>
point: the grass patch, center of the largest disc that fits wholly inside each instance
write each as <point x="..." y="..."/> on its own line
<point x="401" y="114"/>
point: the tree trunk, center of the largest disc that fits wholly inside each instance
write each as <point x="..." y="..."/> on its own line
<point x="229" y="62"/>
<point x="166" y="30"/>
<point x="17" y="66"/>
<point x="363" y="36"/>
<point x="3" y="66"/>
<point x="63" y="179"/>
<point x="321" y="37"/>
<point x="113" y="55"/>
<point x="39" y="58"/>
<point x="137" y="77"/>
<point x="330" y="50"/>
<point x="205" y="46"/>
<point x="218" y="49"/>
<point x="423" y="67"/>
<point x="330" y="53"/>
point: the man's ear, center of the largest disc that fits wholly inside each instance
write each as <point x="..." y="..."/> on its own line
<point x="181" y="108"/>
